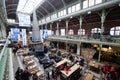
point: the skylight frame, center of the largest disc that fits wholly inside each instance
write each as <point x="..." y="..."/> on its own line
<point x="28" y="6"/>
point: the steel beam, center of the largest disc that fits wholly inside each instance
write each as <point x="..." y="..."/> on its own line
<point x="83" y="11"/>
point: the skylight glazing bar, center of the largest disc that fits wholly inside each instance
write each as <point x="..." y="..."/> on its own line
<point x="27" y="6"/>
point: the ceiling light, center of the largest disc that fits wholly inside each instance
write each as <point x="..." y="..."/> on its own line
<point x="119" y="4"/>
<point x="89" y="12"/>
<point x="109" y="48"/>
<point x="27" y="6"/>
<point x="71" y="17"/>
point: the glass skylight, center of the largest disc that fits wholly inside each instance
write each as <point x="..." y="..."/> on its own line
<point x="27" y="6"/>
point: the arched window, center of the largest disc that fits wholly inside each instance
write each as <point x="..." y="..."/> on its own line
<point x="96" y="30"/>
<point x="62" y="32"/>
<point x="115" y="31"/>
<point x="52" y="32"/>
<point x="81" y="32"/>
<point x="71" y="32"/>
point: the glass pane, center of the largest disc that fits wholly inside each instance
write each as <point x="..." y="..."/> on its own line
<point x="78" y="7"/>
<point x="117" y="33"/>
<point x="98" y="1"/>
<point x="85" y="4"/>
<point x="91" y="2"/>
<point x="65" y="12"/>
<point x="55" y="15"/>
<point x="112" y="28"/>
<point x="57" y="33"/>
<point x="58" y="14"/>
<point x="62" y="32"/>
<point x="27" y="6"/>
<point x="62" y="13"/>
<point x="117" y="28"/>
<point x="91" y="31"/>
<point x="71" y="32"/>
<point x="99" y="31"/>
<point x="111" y="32"/>
<point x="73" y="8"/>
<point x="95" y="29"/>
<point x="52" y="32"/>
<point x="83" y="32"/>
<point x="69" y="10"/>
<point x="78" y="32"/>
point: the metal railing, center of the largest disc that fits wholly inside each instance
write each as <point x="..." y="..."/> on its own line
<point x="3" y="59"/>
<point x="86" y="40"/>
<point x="5" y="56"/>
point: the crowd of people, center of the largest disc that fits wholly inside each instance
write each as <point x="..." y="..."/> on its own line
<point x="16" y="47"/>
<point x="22" y="74"/>
<point x="110" y="72"/>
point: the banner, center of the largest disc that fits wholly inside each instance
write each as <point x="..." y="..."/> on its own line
<point x="15" y="34"/>
<point x="62" y="32"/>
<point x="41" y="38"/>
<point x="45" y="34"/>
<point x="24" y="20"/>
<point x="49" y="32"/>
<point x="24" y="40"/>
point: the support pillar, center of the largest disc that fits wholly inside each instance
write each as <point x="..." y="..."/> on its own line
<point x="51" y="29"/>
<point x="57" y="28"/>
<point x="46" y="26"/>
<point x="99" y="60"/>
<point x="80" y="22"/>
<point x="42" y="27"/>
<point x="102" y="23"/>
<point x="78" y="49"/>
<point x="67" y="46"/>
<point x="36" y="32"/>
<point x="100" y="45"/>
<point x="58" y="34"/>
<point x="67" y="21"/>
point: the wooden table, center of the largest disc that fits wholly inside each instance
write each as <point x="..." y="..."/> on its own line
<point x="89" y="76"/>
<point x="72" y="69"/>
<point x="93" y="64"/>
<point x="62" y="62"/>
<point x="32" y="67"/>
<point x="41" y="75"/>
<point x="30" y="62"/>
<point x="72" y="74"/>
<point x="27" y="58"/>
<point x="53" y="50"/>
<point x="41" y="72"/>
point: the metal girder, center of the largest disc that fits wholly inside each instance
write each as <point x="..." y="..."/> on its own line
<point x="63" y="3"/>
<point x="44" y="9"/>
<point x="83" y="11"/>
<point x="38" y="16"/>
<point x="40" y="13"/>
<point x="11" y="12"/>
<point x="15" y="13"/>
<point x="51" y="5"/>
<point x="10" y="5"/>
<point x="11" y="9"/>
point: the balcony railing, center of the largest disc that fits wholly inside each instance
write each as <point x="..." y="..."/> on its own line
<point x="106" y="40"/>
<point x="6" y="61"/>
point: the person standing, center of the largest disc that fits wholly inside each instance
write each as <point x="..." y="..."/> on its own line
<point x="18" y="74"/>
<point x="35" y="77"/>
<point x="26" y="75"/>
